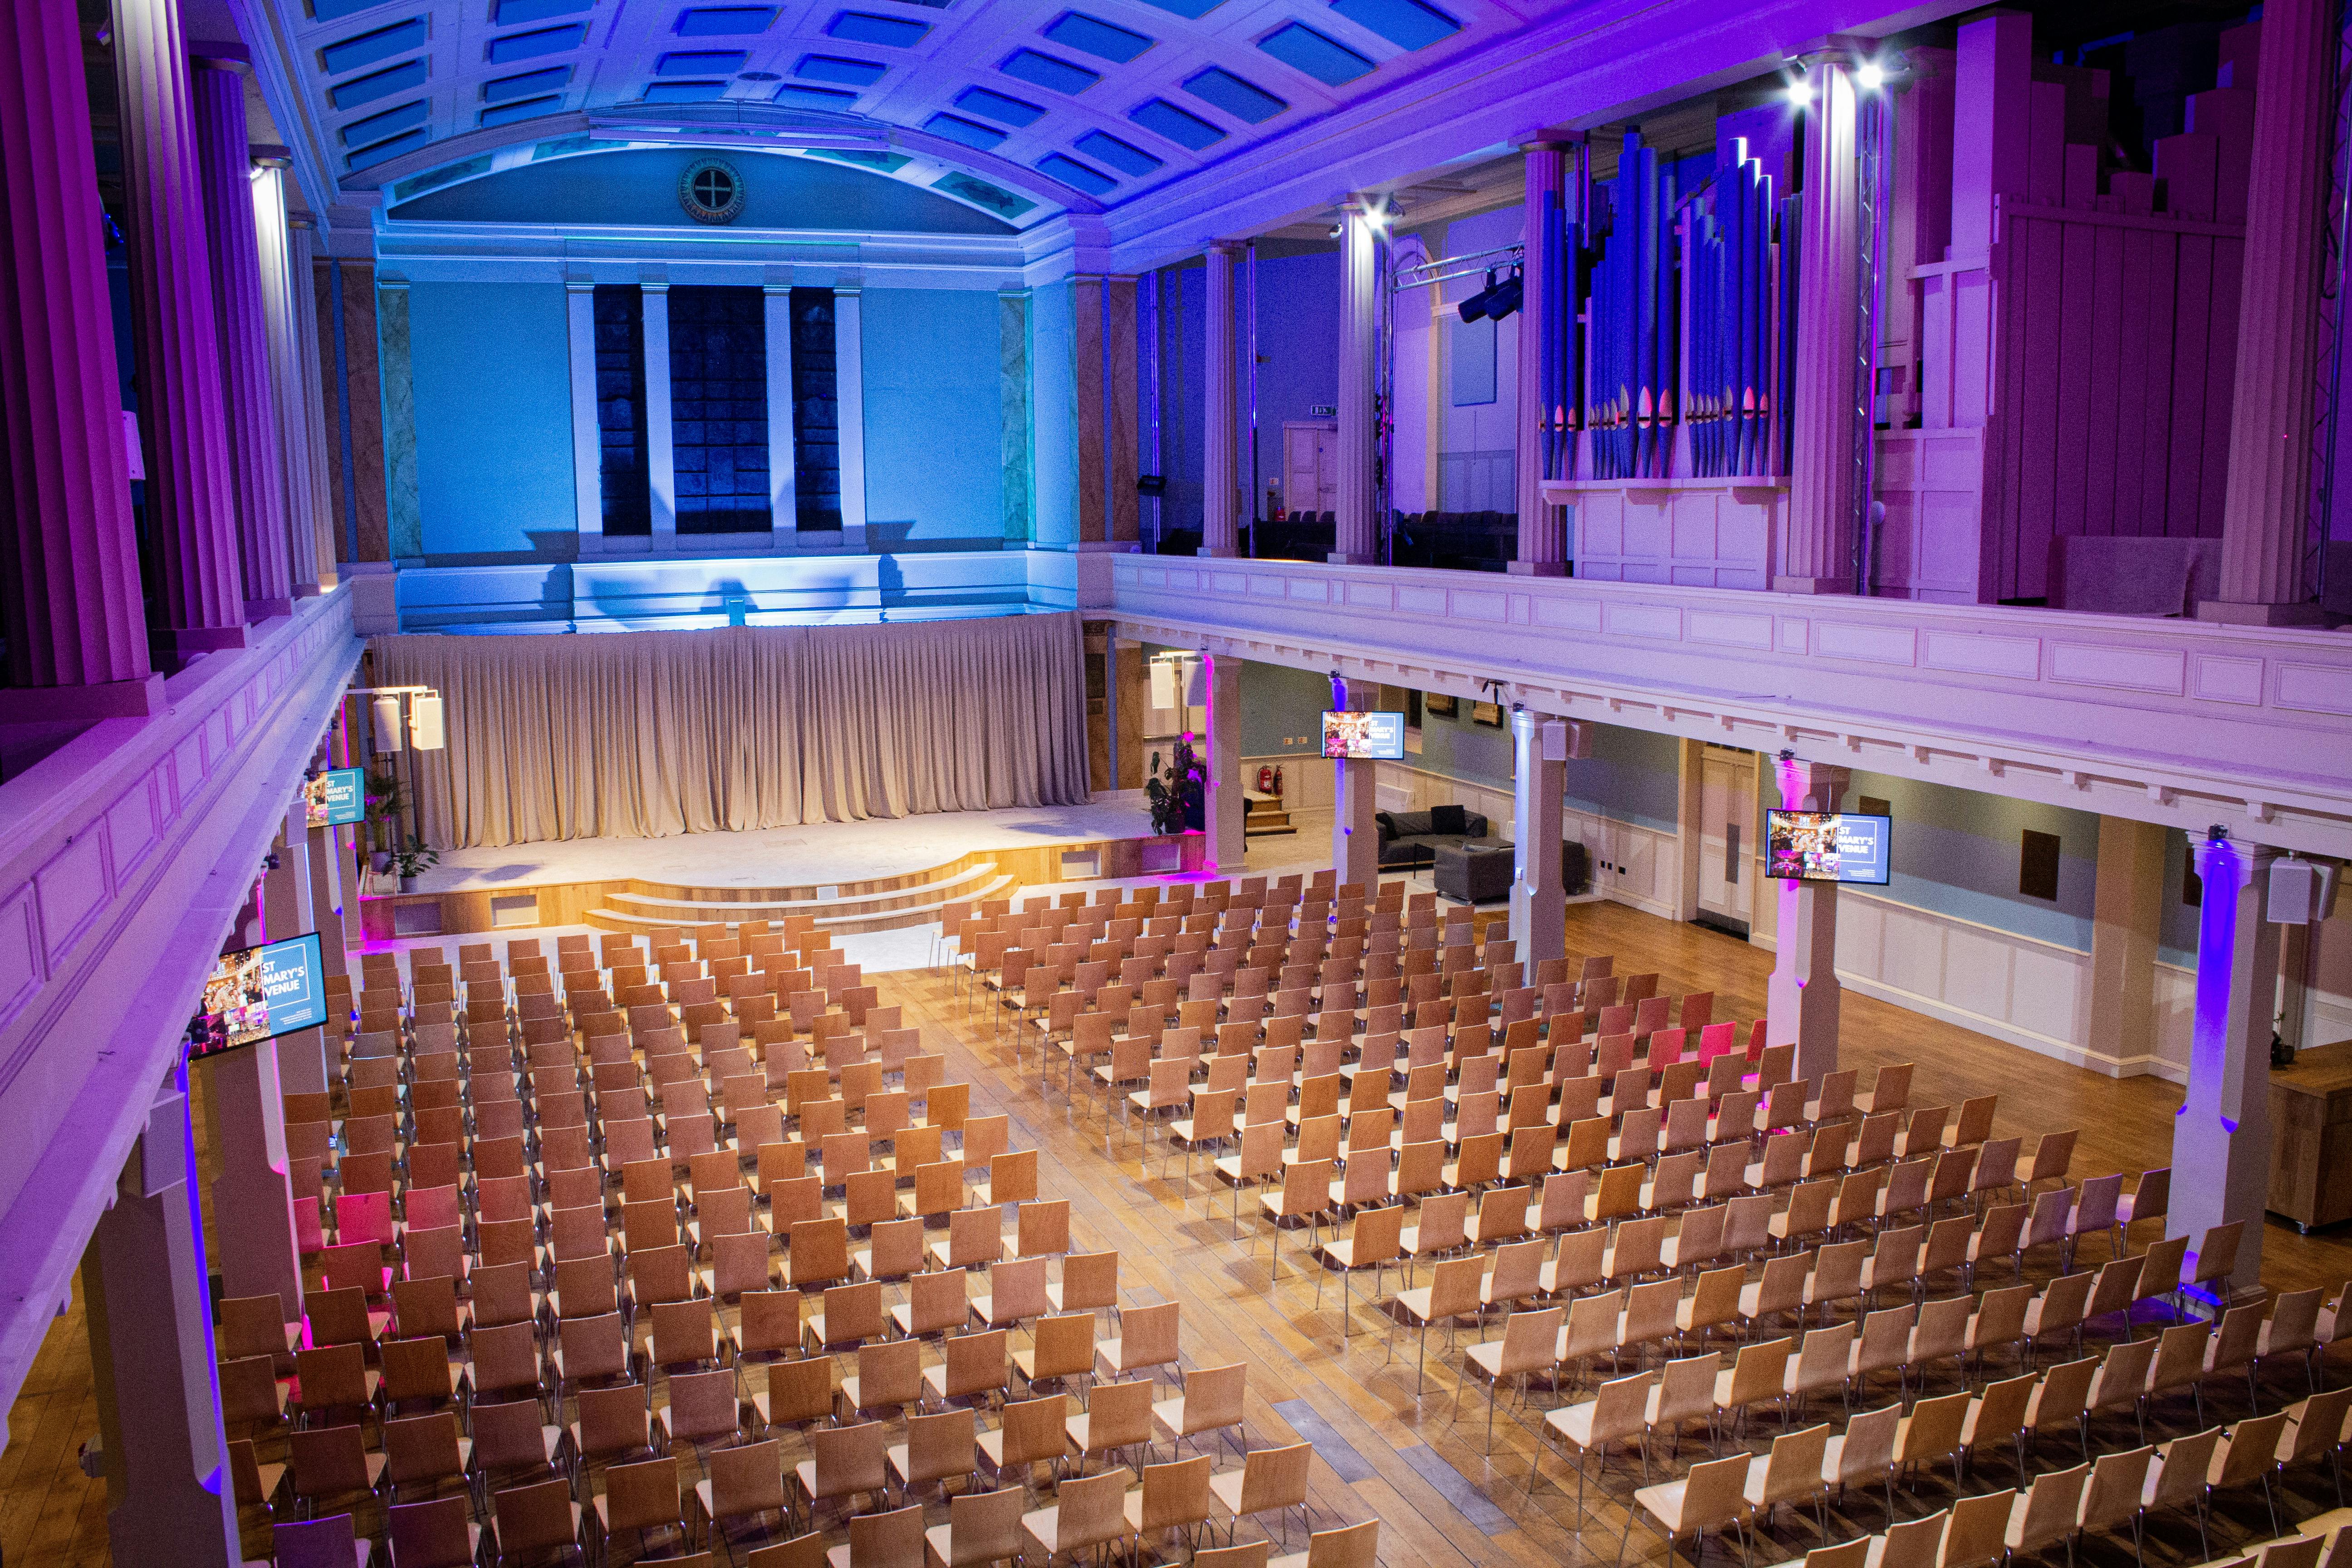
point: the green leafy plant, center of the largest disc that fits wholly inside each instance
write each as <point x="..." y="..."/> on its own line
<point x="386" y="804"/>
<point x="414" y="857"/>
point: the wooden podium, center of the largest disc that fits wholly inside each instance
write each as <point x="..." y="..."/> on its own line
<point x="2311" y="1138"/>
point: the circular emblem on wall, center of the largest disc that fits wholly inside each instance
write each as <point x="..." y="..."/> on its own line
<point x="711" y="190"/>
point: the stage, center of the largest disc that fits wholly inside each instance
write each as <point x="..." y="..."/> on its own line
<point x="878" y="876"/>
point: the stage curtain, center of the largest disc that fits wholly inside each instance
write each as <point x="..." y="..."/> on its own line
<point x="645" y="734"/>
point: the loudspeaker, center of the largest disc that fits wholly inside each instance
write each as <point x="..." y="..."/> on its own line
<point x="387" y="723"/>
<point x="1564" y="740"/>
<point x="2300" y="892"/>
<point x="426" y="730"/>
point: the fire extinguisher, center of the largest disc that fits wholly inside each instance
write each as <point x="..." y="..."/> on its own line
<point x="1265" y="781"/>
<point x="1278" y="781"/>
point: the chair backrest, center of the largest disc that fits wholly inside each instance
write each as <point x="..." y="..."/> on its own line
<point x="1914" y="1542"/>
<point x="983" y="1527"/>
<point x="1715" y="1494"/>
<point x="316" y="1543"/>
<point x="535" y="1518"/>
<point x="1275" y="1477"/>
<point x="429" y="1535"/>
<point x="1974" y="1532"/>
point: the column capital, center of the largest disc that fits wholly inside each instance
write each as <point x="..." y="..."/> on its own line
<point x="1228" y="246"/>
<point x="302" y="222"/>
<point x="1552" y="142"/>
<point x="1811" y="786"/>
<point x="579" y="285"/>
<point x="2229" y="856"/>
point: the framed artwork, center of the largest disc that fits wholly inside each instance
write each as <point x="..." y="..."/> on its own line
<point x="1438" y="705"/>
<point x="1488" y="713"/>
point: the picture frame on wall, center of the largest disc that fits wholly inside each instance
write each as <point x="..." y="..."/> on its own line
<point x="1488" y="713"/>
<point x="1437" y="705"/>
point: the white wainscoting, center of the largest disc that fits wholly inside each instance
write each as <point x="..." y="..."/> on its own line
<point x="1632" y="864"/>
<point x="2327" y="1019"/>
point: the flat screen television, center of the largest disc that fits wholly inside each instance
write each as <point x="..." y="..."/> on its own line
<point x="1826" y="847"/>
<point x="334" y="798"/>
<point x="1364" y="737"/>
<point x="258" y="994"/>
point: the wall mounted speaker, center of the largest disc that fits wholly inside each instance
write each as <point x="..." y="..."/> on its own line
<point x="1564" y="740"/>
<point x="387" y="723"/>
<point x="2300" y="892"/>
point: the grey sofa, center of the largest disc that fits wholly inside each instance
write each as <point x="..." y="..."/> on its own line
<point x="1473" y="873"/>
<point x="1410" y="839"/>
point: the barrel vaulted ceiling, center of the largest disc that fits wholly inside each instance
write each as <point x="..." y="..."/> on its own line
<point x="1061" y="107"/>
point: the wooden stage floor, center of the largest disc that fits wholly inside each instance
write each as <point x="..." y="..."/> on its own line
<point x="1419" y="1463"/>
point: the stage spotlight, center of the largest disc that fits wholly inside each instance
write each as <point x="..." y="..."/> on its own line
<point x="1481" y="304"/>
<point x="1800" y="93"/>
<point x="1869" y="78"/>
<point x="1505" y="297"/>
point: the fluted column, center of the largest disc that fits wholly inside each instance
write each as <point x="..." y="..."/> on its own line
<point x="180" y="405"/>
<point x="1543" y="528"/>
<point x="2266" y="505"/>
<point x="1818" y="540"/>
<point x="274" y="253"/>
<point x="310" y="399"/>
<point x="2222" y="1133"/>
<point x="1357" y="532"/>
<point x="1220" y="491"/>
<point x="69" y="584"/>
<point x="224" y="162"/>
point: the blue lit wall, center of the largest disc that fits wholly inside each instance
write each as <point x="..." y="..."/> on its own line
<point x="934" y="414"/>
<point x="1957" y="851"/>
<point x="1054" y="412"/>
<point x="491" y="367"/>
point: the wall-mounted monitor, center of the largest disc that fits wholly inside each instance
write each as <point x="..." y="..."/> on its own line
<point x="334" y="798"/>
<point x="258" y="994"/>
<point x="1826" y="847"/>
<point x="1364" y="737"/>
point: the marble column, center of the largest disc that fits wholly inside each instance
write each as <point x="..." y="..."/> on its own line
<point x="170" y="1498"/>
<point x="289" y="909"/>
<point x="1358" y="539"/>
<point x="1818" y="538"/>
<point x="1802" y="999"/>
<point x="661" y="455"/>
<point x="2126" y="917"/>
<point x="252" y="1201"/>
<point x="783" y="494"/>
<point x="849" y="407"/>
<point x="1355" y="793"/>
<point x="1543" y="528"/>
<point x="2222" y="1133"/>
<point x="2266" y="503"/>
<point x="225" y="165"/>
<point x="311" y="402"/>
<point x="587" y="438"/>
<point x="71" y="610"/>
<point x="272" y="242"/>
<point x="1541" y="748"/>
<point x="1221" y="750"/>
<point x="183" y="426"/>
<point x="1220" y="415"/>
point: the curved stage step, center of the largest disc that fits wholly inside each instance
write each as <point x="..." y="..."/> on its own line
<point x="893" y="904"/>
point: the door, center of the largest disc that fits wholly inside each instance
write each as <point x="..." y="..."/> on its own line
<point x="1727" y="877"/>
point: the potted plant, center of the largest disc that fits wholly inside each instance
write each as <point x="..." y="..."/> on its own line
<point x="386" y="802"/>
<point x="1178" y="793"/>
<point x="411" y="859"/>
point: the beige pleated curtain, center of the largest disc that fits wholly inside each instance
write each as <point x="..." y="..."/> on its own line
<point x="645" y="734"/>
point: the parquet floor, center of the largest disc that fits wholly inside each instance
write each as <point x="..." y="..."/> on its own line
<point x="1419" y="1463"/>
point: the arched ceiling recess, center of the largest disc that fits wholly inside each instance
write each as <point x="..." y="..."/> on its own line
<point x="1076" y="107"/>
<point x="1004" y="194"/>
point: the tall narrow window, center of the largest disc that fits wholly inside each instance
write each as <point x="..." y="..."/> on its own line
<point x="621" y="408"/>
<point x="719" y="408"/>
<point x="816" y="430"/>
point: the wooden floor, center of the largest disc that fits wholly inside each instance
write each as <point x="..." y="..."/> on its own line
<point x="1420" y="1463"/>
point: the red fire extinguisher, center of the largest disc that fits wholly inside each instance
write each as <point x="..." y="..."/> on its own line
<point x="1278" y="781"/>
<point x="1265" y="781"/>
